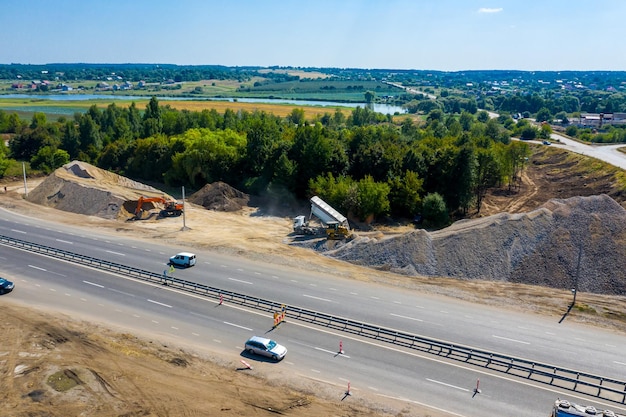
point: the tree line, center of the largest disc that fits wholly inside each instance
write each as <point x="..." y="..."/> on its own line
<point x="364" y="164"/>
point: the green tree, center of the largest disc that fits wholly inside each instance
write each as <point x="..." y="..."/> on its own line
<point x="48" y="159"/>
<point x="297" y="117"/>
<point x="482" y="116"/>
<point x="544" y="115"/>
<point x="373" y="199"/>
<point x="434" y="210"/>
<point x="487" y="174"/>
<point x="405" y="194"/>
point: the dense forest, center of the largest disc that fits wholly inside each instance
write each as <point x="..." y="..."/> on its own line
<point x="363" y="164"/>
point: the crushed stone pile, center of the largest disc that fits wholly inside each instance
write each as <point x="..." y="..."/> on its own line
<point x="82" y="188"/>
<point x="550" y="246"/>
<point x="220" y="196"/>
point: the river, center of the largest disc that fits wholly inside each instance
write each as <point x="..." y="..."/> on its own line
<point x="377" y="107"/>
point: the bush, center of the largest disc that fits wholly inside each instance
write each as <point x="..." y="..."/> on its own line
<point x="434" y="210"/>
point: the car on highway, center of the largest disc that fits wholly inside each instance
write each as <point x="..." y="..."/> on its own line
<point x="545" y="142"/>
<point x="184" y="259"/>
<point x="265" y="347"/>
<point x="6" y="286"/>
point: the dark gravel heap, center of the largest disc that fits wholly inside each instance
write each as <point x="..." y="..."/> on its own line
<point x="220" y="196"/>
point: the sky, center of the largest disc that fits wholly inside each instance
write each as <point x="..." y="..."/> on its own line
<point x="445" y="35"/>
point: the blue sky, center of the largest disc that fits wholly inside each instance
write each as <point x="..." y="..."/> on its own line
<point x="448" y="35"/>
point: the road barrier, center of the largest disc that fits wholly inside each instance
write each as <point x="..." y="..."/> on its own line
<point x="572" y="380"/>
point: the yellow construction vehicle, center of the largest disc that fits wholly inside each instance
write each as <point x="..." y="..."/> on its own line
<point x="335" y="231"/>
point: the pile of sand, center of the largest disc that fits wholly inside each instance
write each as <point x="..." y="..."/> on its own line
<point x="220" y="196"/>
<point x="79" y="187"/>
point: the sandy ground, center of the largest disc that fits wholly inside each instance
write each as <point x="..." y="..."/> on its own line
<point x="118" y="374"/>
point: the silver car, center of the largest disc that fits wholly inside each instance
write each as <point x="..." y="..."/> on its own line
<point x="265" y="347"/>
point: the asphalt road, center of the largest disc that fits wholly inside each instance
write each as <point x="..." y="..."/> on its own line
<point x="373" y="368"/>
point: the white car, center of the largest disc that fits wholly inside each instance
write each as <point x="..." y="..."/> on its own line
<point x="185" y="259"/>
<point x="266" y="347"/>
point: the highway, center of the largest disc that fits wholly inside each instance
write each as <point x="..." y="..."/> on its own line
<point x="375" y="370"/>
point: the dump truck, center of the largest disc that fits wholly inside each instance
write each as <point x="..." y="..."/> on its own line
<point x="335" y="224"/>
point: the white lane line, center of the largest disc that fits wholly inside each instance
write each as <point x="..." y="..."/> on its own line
<point x="236" y="325"/>
<point x="240" y="280"/>
<point x="313" y="285"/>
<point x="36" y="267"/>
<point x="405" y="317"/>
<point x="316" y="371"/>
<point x="64" y="241"/>
<point x="161" y="304"/>
<point x="52" y="289"/>
<point x="317" y="298"/>
<point x="121" y="292"/>
<point x="619" y="363"/>
<point x="447" y="385"/>
<point x="217" y="341"/>
<point x="257" y="273"/>
<point x="155" y="322"/>
<point x="116" y="253"/>
<point x="94" y="284"/>
<point x="374" y="298"/>
<point x="18" y="231"/>
<point x="174" y="328"/>
<point x="511" y="340"/>
<point x="195" y="334"/>
<point x="332" y="353"/>
<point x="422" y="404"/>
<point x="354" y="293"/>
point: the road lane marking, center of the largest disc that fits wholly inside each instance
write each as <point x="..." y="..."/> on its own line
<point x="161" y="304"/>
<point x="317" y="298"/>
<point x="36" y="267"/>
<point x="619" y="363"/>
<point x="240" y="280"/>
<point x="94" y="284"/>
<point x="121" y="292"/>
<point x="236" y="325"/>
<point x="405" y="317"/>
<point x="18" y="231"/>
<point x="447" y="385"/>
<point x="422" y="404"/>
<point x="116" y="253"/>
<point x="64" y="241"/>
<point x="511" y="340"/>
<point x="332" y="353"/>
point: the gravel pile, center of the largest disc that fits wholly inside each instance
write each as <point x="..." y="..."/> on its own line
<point x="541" y="247"/>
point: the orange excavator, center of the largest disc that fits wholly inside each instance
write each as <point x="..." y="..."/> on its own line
<point x="170" y="208"/>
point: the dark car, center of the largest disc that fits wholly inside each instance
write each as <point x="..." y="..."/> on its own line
<point x="6" y="286"/>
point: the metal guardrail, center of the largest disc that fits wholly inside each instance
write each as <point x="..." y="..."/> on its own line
<point x="593" y="385"/>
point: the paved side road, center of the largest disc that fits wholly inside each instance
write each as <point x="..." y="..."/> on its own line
<point x="606" y="153"/>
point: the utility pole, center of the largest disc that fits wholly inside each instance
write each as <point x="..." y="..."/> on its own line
<point x="24" y="172"/>
<point x="184" y="209"/>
